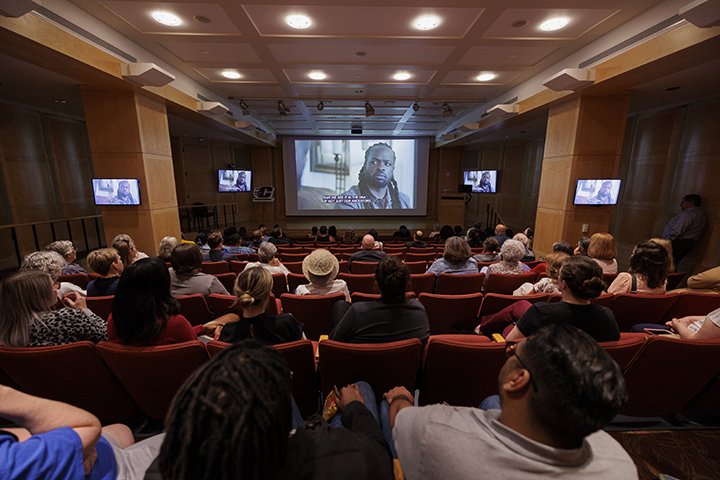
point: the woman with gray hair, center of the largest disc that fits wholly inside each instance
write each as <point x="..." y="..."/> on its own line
<point x="511" y="252"/>
<point x="166" y="247"/>
<point x="457" y="258"/>
<point x="51" y="263"/>
<point x="267" y="253"/>
<point x="67" y="250"/>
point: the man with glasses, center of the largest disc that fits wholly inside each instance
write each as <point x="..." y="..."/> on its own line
<point x="557" y="389"/>
<point x="376" y="188"/>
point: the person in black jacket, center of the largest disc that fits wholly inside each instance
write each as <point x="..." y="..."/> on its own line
<point x="233" y="419"/>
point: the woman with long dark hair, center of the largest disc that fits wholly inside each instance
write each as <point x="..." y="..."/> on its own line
<point x="649" y="266"/>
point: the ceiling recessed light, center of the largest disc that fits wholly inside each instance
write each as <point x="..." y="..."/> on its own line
<point x="402" y="76"/>
<point x="426" y="22"/>
<point x="300" y="22"/>
<point x="553" y="24"/>
<point x="166" y="18"/>
<point x="317" y="75"/>
<point x="231" y="74"/>
<point x="485" y="77"/>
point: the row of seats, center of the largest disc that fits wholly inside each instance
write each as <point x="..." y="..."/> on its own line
<point x="118" y="383"/>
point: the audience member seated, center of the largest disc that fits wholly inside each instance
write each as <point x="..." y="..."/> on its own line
<point x="28" y="320"/>
<point x="474" y="237"/>
<point x="580" y="280"/>
<point x="166" y="247"/>
<point x="323" y="236"/>
<point x="393" y="317"/>
<point x="529" y="255"/>
<point x="667" y="244"/>
<point x="418" y="240"/>
<point x="368" y="253"/>
<point x="602" y="250"/>
<point x="350" y="237"/>
<point x="51" y="263"/>
<point x="66" y="249"/>
<point x="648" y="271"/>
<point x="582" y="246"/>
<point x="697" y="327"/>
<point x="107" y="263"/>
<point x="501" y="234"/>
<point x="548" y="284"/>
<point x="201" y="241"/>
<point x="707" y="281"/>
<point x="491" y="247"/>
<point x="125" y="246"/>
<point x="277" y="237"/>
<point x="446" y="231"/>
<point x="557" y="390"/>
<point x="217" y="252"/>
<point x="333" y="234"/>
<point x="185" y="275"/>
<point x="510" y="252"/>
<point x="263" y="231"/>
<point x="233" y="245"/>
<point x="252" y="288"/>
<point x="257" y="238"/>
<point x="145" y="313"/>
<point x="402" y="233"/>
<point x="55" y="440"/>
<point x="320" y="268"/>
<point x="267" y="255"/>
<point x="313" y="233"/>
<point x="560" y="246"/>
<point x="267" y="439"/>
<point x="457" y="258"/>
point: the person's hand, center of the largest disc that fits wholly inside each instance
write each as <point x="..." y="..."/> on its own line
<point x="89" y="460"/>
<point x="348" y="394"/>
<point x="275" y="262"/>
<point x="75" y="300"/>
<point x="397" y="392"/>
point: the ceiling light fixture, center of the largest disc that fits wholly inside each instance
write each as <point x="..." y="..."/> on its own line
<point x="231" y="74"/>
<point x="427" y="22"/>
<point x="317" y="75"/>
<point x="447" y="109"/>
<point x="415" y="106"/>
<point x="320" y="106"/>
<point x="486" y="77"/>
<point x="166" y="18"/>
<point x="298" y="22"/>
<point x="282" y="109"/>
<point x="402" y="76"/>
<point x="369" y="109"/>
<point x="552" y="24"/>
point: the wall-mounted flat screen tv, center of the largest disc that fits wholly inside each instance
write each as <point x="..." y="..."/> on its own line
<point x="597" y="191"/>
<point x="234" y="181"/>
<point x="116" y="191"/>
<point x="481" y="181"/>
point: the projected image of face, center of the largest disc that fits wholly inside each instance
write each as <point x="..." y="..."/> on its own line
<point x="123" y="197"/>
<point x="379" y="166"/>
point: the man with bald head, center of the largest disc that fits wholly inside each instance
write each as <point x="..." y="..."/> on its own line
<point x="500" y="235"/>
<point x="368" y="252"/>
<point x="417" y="241"/>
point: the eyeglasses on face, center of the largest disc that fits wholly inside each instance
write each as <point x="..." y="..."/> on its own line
<point x="511" y="351"/>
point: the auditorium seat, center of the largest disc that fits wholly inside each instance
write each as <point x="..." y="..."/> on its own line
<point x="416" y="267"/>
<point x="295" y="280"/>
<point x="152" y="375"/>
<point x="425" y="250"/>
<point x="79" y="279"/>
<point x="633" y="308"/>
<point x="241" y="257"/>
<point x="421" y="283"/>
<point x="227" y="280"/>
<point x="359" y="283"/>
<point x="371" y="297"/>
<point x="289" y="249"/>
<point x="300" y="357"/>
<point x="382" y="365"/>
<point x="280" y="285"/>
<point x="213" y="268"/>
<point x="221" y="304"/>
<point x="237" y="267"/>
<point x="451" y="313"/>
<point x="420" y="257"/>
<point x="344" y="266"/>
<point x="216" y="346"/>
<point x="294" y="267"/>
<point x="494" y="302"/>
<point x="101" y="306"/>
<point x="292" y="257"/>
<point x="195" y="308"/>
<point x="606" y="300"/>
<point x="363" y="268"/>
<point x="625" y="349"/>
<point x="507" y="284"/>
<point x="313" y="311"/>
<point x="608" y="278"/>
<point x="674" y="279"/>
<point x="693" y="304"/>
<point x="460" y="369"/>
<point x="458" y="284"/>
<point x="72" y="373"/>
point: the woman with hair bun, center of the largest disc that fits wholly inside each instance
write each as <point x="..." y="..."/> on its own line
<point x="580" y="281"/>
<point x="252" y="288"/>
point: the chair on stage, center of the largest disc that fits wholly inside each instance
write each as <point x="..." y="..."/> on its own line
<point x="459" y="284"/>
<point x="451" y="313"/>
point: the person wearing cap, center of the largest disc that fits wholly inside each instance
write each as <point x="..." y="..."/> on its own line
<point x="267" y="253"/>
<point x="320" y="268"/>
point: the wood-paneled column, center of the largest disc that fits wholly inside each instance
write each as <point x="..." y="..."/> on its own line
<point x="129" y="138"/>
<point x="584" y="140"/>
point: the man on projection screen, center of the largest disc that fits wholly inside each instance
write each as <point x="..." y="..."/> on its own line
<point x="376" y="182"/>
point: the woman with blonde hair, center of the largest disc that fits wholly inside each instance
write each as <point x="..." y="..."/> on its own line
<point x="26" y="319"/>
<point x="548" y="284"/>
<point x="457" y="258"/>
<point x="252" y="288"/>
<point x="602" y="250"/>
<point x="125" y="246"/>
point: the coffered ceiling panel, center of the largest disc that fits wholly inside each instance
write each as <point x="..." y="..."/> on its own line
<point x="507" y="56"/>
<point x="469" y="77"/>
<point x="323" y="52"/>
<point x="361" y="74"/>
<point x="248" y="75"/>
<point x="217" y="53"/>
<point x="524" y="23"/>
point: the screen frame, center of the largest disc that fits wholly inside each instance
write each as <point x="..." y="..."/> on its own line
<point x="479" y="170"/>
<point x="139" y="192"/>
<point x="250" y="186"/>
<point x="577" y="185"/>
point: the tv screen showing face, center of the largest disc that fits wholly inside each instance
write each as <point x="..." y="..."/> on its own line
<point x="481" y="181"/>
<point x="234" y="181"/>
<point x="358" y="176"/>
<point x="116" y="191"/>
<point x="593" y="191"/>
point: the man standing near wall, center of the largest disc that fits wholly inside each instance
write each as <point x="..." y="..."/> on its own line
<point x="685" y="228"/>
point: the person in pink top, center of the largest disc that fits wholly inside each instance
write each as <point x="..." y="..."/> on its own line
<point x="649" y="265"/>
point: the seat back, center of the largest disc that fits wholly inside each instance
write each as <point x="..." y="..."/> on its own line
<point x="295" y="280"/>
<point x="359" y="283"/>
<point x="451" y="313"/>
<point x="237" y="267"/>
<point x="300" y="356"/>
<point x="382" y="365"/>
<point x="420" y="257"/>
<point x="371" y="297"/>
<point x="195" y="308"/>
<point x="422" y="283"/>
<point x="72" y="373"/>
<point x="280" y="285"/>
<point x="507" y="284"/>
<point x="426" y="250"/>
<point x="608" y="278"/>
<point x="313" y="311"/>
<point x="216" y="346"/>
<point x="213" y="268"/>
<point x="100" y="306"/>
<point x="416" y="267"/>
<point x="634" y="308"/>
<point x="667" y="373"/>
<point x="152" y="375"/>
<point x="494" y="302"/>
<point x="693" y="304"/>
<point x="294" y="267"/>
<point x="79" y="279"/>
<point x="625" y="349"/>
<point x="458" y="284"/>
<point x="674" y="279"/>
<point x="227" y="280"/>
<point x="292" y="257"/>
<point x="344" y="266"/>
<point x="460" y="369"/>
<point x="361" y="268"/>
<point x="221" y="304"/>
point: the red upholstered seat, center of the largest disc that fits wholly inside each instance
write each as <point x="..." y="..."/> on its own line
<point x="359" y="283"/>
<point x="507" y="284"/>
<point x="361" y="268"/>
<point x="633" y="308"/>
<point x="422" y="283"/>
<point x="73" y="374"/>
<point x="425" y="250"/>
<point x="294" y="267"/>
<point x="494" y="302"/>
<point x="460" y="369"/>
<point x="152" y="375"/>
<point x="195" y="308"/>
<point x="674" y="279"/>
<point x="608" y="278"/>
<point x="313" y="311"/>
<point x="79" y="279"/>
<point x="344" y="266"/>
<point x="692" y="304"/>
<point x="292" y="257"/>
<point x="213" y="268"/>
<point x="280" y="285"/>
<point x="101" y="306"/>
<point x="451" y="313"/>
<point x="416" y="267"/>
<point x="420" y="257"/>
<point x="300" y="356"/>
<point x="237" y="267"/>
<point x="458" y="284"/>
<point x="625" y="349"/>
<point x="216" y="346"/>
<point x="382" y="365"/>
<point x="228" y="280"/>
<point x="371" y="297"/>
<point x="295" y="280"/>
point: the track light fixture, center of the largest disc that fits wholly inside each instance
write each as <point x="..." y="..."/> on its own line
<point x="320" y="106"/>
<point x="415" y="106"/>
<point x="369" y="109"/>
<point x="282" y="109"/>
<point x="244" y="107"/>
<point x="447" y="109"/>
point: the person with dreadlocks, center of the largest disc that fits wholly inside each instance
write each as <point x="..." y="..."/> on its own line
<point x="233" y="418"/>
<point x="376" y="182"/>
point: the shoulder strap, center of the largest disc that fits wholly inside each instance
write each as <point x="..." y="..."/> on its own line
<point x="633" y="284"/>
